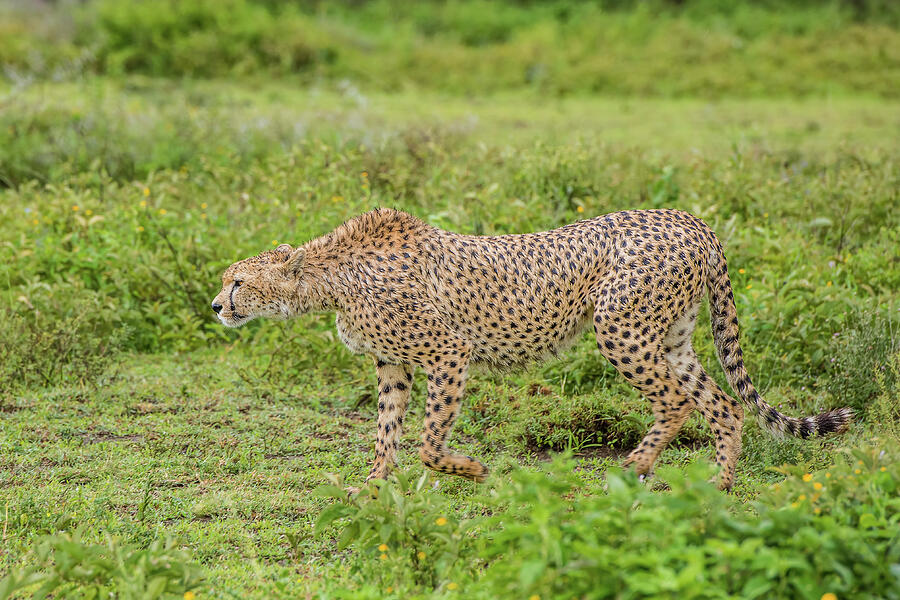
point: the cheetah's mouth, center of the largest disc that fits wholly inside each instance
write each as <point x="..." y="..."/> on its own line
<point x="233" y="319"/>
<point x="235" y="316"/>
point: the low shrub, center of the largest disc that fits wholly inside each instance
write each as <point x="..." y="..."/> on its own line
<point x="65" y="566"/>
<point x="861" y="355"/>
<point x="71" y="337"/>
<point x="834" y="532"/>
<point x="401" y="531"/>
<point x="692" y="543"/>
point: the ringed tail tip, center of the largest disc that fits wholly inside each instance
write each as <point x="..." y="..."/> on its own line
<point x="834" y="421"/>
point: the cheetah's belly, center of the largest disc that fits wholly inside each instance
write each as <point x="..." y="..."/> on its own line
<point x="528" y="341"/>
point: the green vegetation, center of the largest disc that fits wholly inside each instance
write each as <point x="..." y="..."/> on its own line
<point x="693" y="48"/>
<point x="835" y="531"/>
<point x="146" y="451"/>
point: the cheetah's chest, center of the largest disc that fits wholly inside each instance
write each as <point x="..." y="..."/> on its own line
<point x="352" y="336"/>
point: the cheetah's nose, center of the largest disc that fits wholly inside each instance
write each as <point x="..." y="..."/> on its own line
<point x="217" y="307"/>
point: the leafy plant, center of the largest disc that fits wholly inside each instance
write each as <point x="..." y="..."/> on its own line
<point x="63" y="565"/>
<point x="813" y="534"/>
<point x="398" y="528"/>
<point x="811" y="537"/>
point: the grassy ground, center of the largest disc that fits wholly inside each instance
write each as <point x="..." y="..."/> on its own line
<point x="173" y="427"/>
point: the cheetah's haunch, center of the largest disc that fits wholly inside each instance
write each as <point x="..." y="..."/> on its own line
<point x="410" y="295"/>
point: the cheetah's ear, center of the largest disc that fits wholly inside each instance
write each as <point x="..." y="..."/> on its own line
<point x="294" y="264"/>
<point x="283" y="248"/>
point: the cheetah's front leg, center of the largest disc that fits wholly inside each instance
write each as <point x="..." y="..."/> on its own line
<point x="446" y="382"/>
<point x="394" y="383"/>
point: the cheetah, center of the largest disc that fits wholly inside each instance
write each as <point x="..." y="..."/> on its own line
<point x="411" y="295"/>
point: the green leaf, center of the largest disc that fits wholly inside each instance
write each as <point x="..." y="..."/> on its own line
<point x="330" y="491"/>
<point x="530" y="571"/>
<point x="330" y="514"/>
<point x="349" y="535"/>
<point x="756" y="587"/>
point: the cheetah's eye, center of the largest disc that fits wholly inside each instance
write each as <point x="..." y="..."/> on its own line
<point x="237" y="283"/>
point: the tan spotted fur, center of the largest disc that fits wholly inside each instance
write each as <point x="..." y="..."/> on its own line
<point x="412" y="295"/>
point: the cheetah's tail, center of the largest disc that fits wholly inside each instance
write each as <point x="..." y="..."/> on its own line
<point x="726" y="333"/>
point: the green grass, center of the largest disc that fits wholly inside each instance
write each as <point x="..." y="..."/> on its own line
<point x="146" y="451"/>
<point x="181" y="429"/>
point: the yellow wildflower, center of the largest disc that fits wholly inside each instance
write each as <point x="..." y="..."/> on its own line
<point x="74" y="208"/>
<point x="742" y="271"/>
<point x="146" y="191"/>
<point x="801" y="497"/>
<point x="828" y="596"/>
<point x="828" y="284"/>
<point x="383" y="547"/>
<point x="203" y="206"/>
<point x="35" y="222"/>
<point x="383" y="556"/>
<point x="817" y="486"/>
<point x="749" y="285"/>
<point x="580" y="209"/>
<point x="534" y="597"/>
<point x="421" y="555"/>
<point x="274" y="242"/>
<point x="440" y="521"/>
<point x="140" y="228"/>
<point x="807" y="477"/>
<point x="189" y="596"/>
<point x="452" y="585"/>
<point x="203" y="216"/>
<point x="143" y="203"/>
<point x="162" y="211"/>
<point x="817" y="510"/>
<point x="827" y="475"/>
<point x="857" y="471"/>
<point x="883" y="469"/>
<point x="389" y="589"/>
<point x="766" y="215"/>
<point x="88" y="212"/>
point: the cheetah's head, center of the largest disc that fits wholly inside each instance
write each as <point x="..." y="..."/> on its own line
<point x="265" y="285"/>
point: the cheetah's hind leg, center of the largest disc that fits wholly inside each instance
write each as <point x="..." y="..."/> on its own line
<point x="724" y="414"/>
<point x="635" y="348"/>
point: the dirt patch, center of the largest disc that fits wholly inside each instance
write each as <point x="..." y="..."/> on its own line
<point x="95" y="437"/>
<point x="75" y="480"/>
<point x="173" y="483"/>
<point x="281" y="456"/>
<point x="598" y="452"/>
<point x="537" y="389"/>
<point x="194" y="519"/>
<point x="151" y="406"/>
<point x="355" y="416"/>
